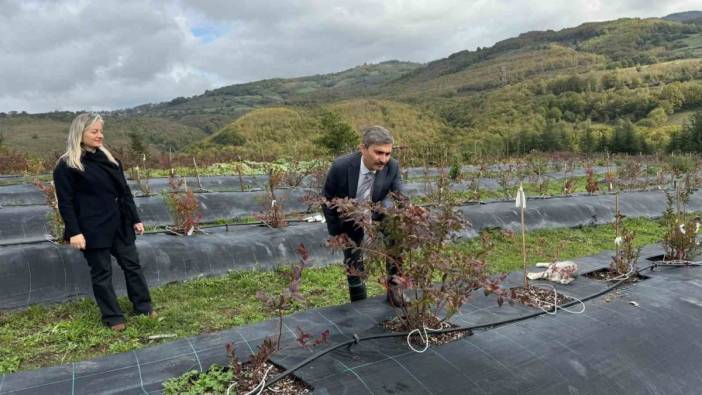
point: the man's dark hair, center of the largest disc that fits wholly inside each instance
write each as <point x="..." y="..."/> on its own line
<point x="376" y="135"/>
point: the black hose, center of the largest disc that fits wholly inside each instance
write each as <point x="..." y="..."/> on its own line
<point x="224" y="225"/>
<point x="491" y="325"/>
<point x="674" y="263"/>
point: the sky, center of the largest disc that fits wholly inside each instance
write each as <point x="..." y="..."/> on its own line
<point x="114" y="54"/>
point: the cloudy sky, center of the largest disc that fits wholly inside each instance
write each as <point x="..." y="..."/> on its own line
<point x="111" y="54"/>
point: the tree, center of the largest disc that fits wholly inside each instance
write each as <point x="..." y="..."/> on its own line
<point x="673" y="94"/>
<point x="555" y="113"/>
<point x="603" y="142"/>
<point x="587" y="142"/>
<point x="337" y="136"/>
<point x="689" y="139"/>
<point x="136" y="144"/>
<point x="692" y="134"/>
<point x="229" y="135"/>
<point x="554" y="137"/>
<point x="627" y="139"/>
<point x="657" y="117"/>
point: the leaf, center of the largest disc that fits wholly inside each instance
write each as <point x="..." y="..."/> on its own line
<point x="302" y="337"/>
<point x="323" y="337"/>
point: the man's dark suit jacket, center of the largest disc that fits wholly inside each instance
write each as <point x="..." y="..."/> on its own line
<point x="342" y="182"/>
<point x="96" y="202"/>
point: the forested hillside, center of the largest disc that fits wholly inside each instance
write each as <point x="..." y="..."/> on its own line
<point x="629" y="85"/>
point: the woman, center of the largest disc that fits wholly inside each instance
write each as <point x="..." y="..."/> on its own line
<point x="101" y="219"/>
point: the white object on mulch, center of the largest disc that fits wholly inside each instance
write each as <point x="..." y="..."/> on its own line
<point x="162" y="336"/>
<point x="316" y="218"/>
<point x="560" y="272"/>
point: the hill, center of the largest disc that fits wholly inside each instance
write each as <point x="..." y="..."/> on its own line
<point x="44" y="135"/>
<point x="492" y="100"/>
<point x="276" y="132"/>
<point x="686" y="16"/>
<point x="233" y="101"/>
<point x="573" y="89"/>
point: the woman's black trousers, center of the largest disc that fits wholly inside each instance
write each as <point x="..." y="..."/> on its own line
<point x="101" y="275"/>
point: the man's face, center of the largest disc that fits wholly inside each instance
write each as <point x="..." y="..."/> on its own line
<point x="376" y="156"/>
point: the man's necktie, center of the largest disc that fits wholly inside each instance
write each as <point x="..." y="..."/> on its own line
<point x="364" y="191"/>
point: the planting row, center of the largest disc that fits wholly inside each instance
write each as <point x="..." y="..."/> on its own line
<point x="248" y="172"/>
<point x="553" y="355"/>
<point x="45" y="272"/>
<point x="22" y="194"/>
<point x="29" y="194"/>
<point x="34" y="223"/>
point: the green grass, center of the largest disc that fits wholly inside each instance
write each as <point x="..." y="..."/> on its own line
<point x="554" y="187"/>
<point x="25" y="179"/>
<point x="43" y="336"/>
<point x="564" y="243"/>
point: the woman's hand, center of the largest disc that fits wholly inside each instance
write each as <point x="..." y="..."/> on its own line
<point x="139" y="228"/>
<point x="77" y="241"/>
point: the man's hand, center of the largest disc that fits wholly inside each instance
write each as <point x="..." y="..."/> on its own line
<point x="78" y="241"/>
<point x="139" y="228"/>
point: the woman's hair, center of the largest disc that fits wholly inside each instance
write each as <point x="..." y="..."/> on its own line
<point x="74" y="142"/>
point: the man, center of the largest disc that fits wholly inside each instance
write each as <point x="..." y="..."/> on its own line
<point x="368" y="175"/>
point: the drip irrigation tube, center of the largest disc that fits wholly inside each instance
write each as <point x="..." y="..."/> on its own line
<point x="356" y="339"/>
<point x="225" y="225"/>
<point x="674" y="263"/>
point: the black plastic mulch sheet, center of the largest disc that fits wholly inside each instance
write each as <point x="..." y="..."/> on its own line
<point x="215" y="183"/>
<point x="21" y="195"/>
<point x="224" y="205"/>
<point x="24" y="224"/>
<point x="612" y="347"/>
<point x="28" y="224"/>
<point x="433" y="171"/>
<point x="46" y="273"/>
<point x="43" y="273"/>
<point x="28" y="194"/>
<point x="559" y="212"/>
<point x="237" y="204"/>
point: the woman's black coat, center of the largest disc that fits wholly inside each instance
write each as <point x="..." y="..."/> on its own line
<point x="96" y="202"/>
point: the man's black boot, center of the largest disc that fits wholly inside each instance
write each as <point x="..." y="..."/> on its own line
<point x="357" y="289"/>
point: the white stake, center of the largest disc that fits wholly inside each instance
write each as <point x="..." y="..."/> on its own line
<point x="520" y="202"/>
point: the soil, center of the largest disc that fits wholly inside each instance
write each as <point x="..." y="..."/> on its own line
<point x="538" y="297"/>
<point x="609" y="275"/>
<point x="395" y="325"/>
<point x="290" y="385"/>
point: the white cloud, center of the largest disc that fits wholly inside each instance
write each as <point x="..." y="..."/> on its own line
<point x="115" y="54"/>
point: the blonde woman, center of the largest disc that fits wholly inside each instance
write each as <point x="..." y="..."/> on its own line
<point x="101" y="219"/>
